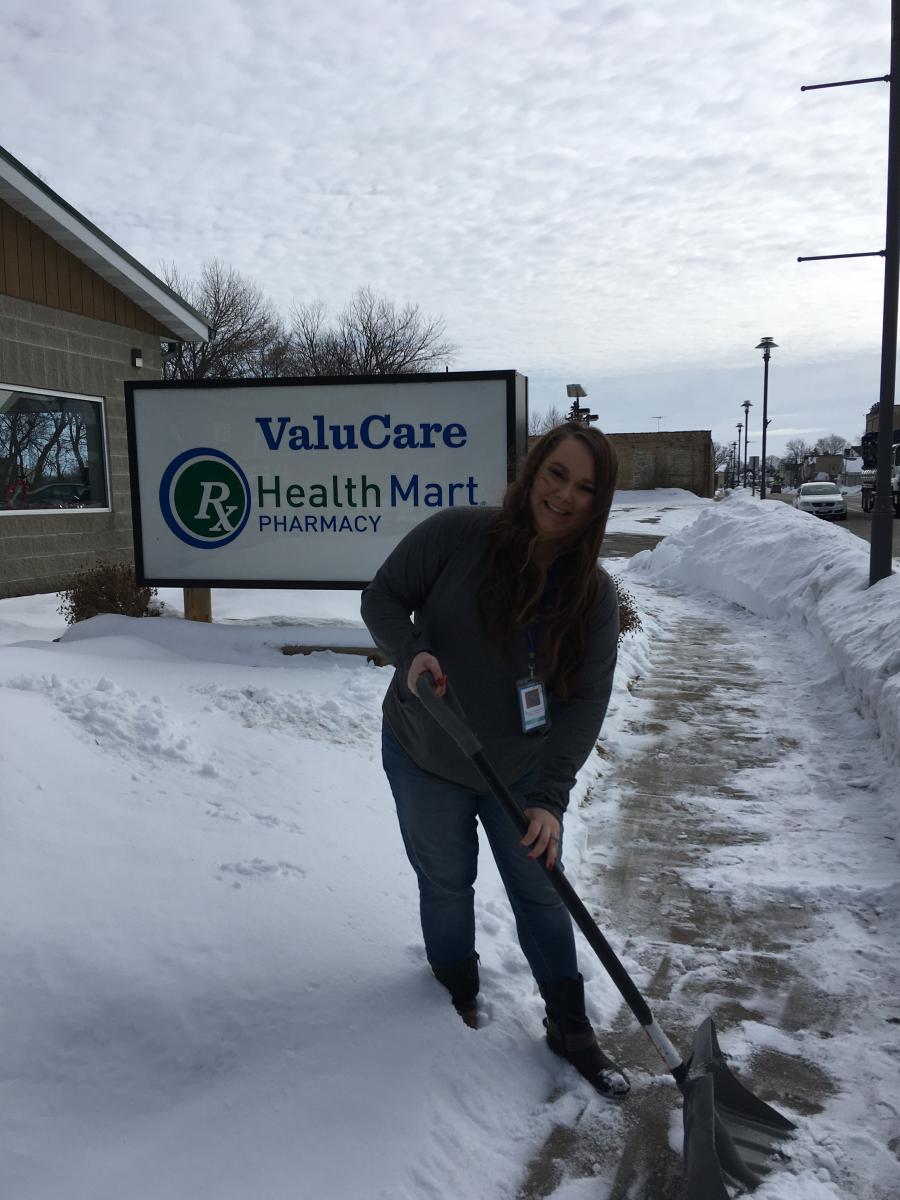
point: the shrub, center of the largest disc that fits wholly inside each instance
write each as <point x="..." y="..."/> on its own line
<point x="629" y="618"/>
<point x="106" y="587"/>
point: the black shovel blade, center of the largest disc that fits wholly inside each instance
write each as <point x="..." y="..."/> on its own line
<point x="730" y="1135"/>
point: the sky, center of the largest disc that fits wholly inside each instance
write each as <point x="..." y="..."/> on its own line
<point x="213" y="979"/>
<point x="607" y="193"/>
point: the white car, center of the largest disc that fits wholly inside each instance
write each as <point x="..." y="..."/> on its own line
<point x="822" y="500"/>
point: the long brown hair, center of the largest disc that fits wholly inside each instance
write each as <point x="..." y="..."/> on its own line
<point x="515" y="593"/>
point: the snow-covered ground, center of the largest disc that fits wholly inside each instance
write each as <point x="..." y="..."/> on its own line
<point x="660" y="511"/>
<point x="212" y="981"/>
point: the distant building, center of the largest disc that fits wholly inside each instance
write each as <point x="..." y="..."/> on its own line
<point x="664" y="460"/>
<point x="78" y="316"/>
<point x="828" y="466"/>
<point x="677" y="459"/>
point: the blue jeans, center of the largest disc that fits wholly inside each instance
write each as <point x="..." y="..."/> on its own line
<point x="438" y="824"/>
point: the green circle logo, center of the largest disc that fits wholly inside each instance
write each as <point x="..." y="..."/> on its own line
<point x="205" y="498"/>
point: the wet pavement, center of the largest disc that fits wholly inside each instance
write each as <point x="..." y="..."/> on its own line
<point x="684" y="803"/>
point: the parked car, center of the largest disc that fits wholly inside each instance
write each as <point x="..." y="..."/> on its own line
<point x="58" y="495"/>
<point x="822" y="500"/>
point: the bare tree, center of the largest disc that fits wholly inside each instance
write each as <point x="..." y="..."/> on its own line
<point x="371" y="336"/>
<point x="721" y="455"/>
<point x="833" y="444"/>
<point x="539" y="423"/>
<point x="247" y="336"/>
<point x="797" y="450"/>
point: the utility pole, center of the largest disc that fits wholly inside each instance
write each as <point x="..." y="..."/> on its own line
<point x="883" y="513"/>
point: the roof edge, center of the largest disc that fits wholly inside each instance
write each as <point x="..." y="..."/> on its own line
<point x="45" y="208"/>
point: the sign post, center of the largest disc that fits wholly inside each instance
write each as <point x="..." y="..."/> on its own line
<point x="198" y="604"/>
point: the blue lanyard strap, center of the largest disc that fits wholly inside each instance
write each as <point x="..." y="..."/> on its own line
<point x="533" y="631"/>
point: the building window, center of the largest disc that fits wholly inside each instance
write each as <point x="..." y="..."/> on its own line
<point x="52" y="453"/>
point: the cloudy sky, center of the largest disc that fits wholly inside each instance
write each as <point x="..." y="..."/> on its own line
<point x="587" y="191"/>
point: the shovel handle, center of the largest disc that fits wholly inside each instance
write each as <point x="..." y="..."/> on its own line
<point x="448" y="715"/>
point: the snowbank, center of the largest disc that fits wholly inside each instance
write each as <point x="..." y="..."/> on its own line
<point x="788" y="565"/>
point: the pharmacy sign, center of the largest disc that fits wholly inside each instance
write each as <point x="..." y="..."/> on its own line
<point x="309" y="482"/>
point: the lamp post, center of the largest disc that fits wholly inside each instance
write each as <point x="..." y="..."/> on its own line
<point x="733" y="463"/>
<point x="767" y="345"/>
<point x="746" y="406"/>
<point x="737" y="473"/>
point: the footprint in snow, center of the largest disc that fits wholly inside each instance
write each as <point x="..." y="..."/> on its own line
<point x="258" y="869"/>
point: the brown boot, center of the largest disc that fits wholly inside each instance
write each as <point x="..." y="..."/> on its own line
<point x="570" y="1035"/>
<point x="462" y="983"/>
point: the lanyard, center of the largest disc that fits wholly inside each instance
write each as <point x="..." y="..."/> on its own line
<point x="533" y="632"/>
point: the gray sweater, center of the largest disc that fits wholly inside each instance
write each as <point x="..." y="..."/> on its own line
<point x="435" y="574"/>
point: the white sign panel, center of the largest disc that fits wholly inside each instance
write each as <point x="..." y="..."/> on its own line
<point x="306" y="483"/>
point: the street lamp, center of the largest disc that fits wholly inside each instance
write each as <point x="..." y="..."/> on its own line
<point x="737" y="470"/>
<point x="767" y="345"/>
<point x="734" y="452"/>
<point x="746" y="406"/>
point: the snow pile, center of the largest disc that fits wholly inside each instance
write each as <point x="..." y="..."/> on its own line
<point x="788" y="565"/>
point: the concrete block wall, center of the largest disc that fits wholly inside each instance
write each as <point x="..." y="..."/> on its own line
<point x="57" y="351"/>
<point x="665" y="460"/>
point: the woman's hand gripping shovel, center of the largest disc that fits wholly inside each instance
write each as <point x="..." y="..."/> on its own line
<point x="730" y="1136"/>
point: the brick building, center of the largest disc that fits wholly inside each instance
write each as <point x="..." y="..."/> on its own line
<point x="666" y="460"/>
<point x="663" y="460"/>
<point x="78" y="315"/>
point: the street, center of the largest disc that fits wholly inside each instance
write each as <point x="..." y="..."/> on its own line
<point x="858" y="523"/>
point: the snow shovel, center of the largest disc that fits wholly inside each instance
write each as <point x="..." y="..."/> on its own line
<point x="731" y="1138"/>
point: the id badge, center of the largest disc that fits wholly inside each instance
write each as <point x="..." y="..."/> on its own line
<point x="532" y="704"/>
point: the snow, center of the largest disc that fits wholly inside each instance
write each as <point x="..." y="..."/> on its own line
<point x="660" y="511"/>
<point x="213" y="981"/>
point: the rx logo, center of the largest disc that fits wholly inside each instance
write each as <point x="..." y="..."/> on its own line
<point x="204" y="497"/>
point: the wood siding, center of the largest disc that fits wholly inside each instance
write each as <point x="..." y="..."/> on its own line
<point x="36" y="268"/>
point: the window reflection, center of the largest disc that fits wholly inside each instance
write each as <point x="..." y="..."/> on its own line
<point x="51" y="452"/>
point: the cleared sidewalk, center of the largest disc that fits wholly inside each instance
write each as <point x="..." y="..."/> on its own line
<point x="736" y="860"/>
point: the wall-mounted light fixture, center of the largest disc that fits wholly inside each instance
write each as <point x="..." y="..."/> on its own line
<point x="137" y="357"/>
